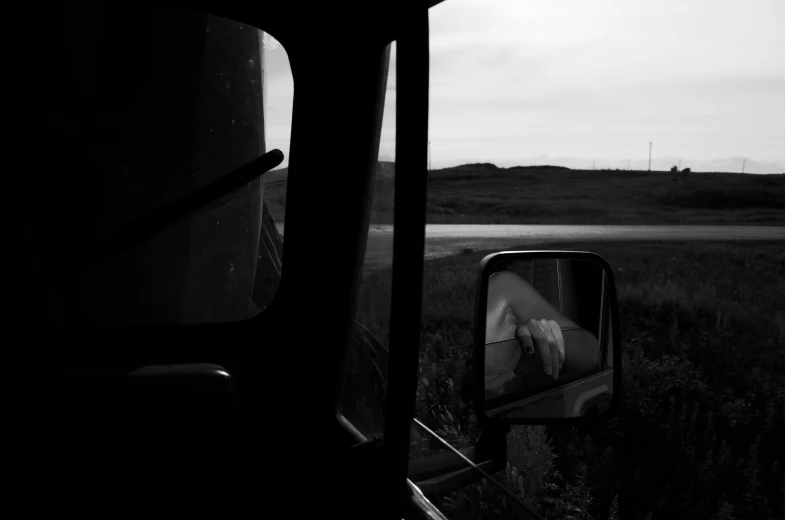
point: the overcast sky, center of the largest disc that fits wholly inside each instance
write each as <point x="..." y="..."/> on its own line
<point x="597" y="79"/>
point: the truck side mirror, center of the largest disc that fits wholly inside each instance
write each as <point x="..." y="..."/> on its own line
<point x="546" y="339"/>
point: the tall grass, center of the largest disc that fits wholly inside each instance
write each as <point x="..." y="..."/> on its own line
<point x="700" y="433"/>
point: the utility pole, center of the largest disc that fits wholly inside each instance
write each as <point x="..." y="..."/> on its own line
<point x="649" y="155"/>
<point x="743" y="164"/>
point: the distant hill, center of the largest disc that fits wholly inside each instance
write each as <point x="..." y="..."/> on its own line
<point x="486" y="193"/>
<point x="722" y="165"/>
<point x="275" y="176"/>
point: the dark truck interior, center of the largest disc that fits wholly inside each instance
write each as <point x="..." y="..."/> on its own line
<point x="134" y="384"/>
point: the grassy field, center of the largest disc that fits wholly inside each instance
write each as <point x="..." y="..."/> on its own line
<point x="485" y="194"/>
<point x="701" y="430"/>
<point x="551" y="195"/>
<point x="703" y="328"/>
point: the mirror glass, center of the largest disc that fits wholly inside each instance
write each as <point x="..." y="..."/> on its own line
<point x="547" y="338"/>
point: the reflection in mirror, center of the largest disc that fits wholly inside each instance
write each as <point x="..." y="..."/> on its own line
<point x="546" y="339"/>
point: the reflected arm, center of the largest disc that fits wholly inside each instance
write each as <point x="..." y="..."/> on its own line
<point x="511" y="302"/>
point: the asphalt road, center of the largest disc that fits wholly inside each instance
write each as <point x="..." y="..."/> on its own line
<point x="448" y="239"/>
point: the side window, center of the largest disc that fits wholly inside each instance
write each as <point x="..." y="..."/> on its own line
<point x="365" y="386"/>
<point x="151" y="105"/>
<point x="278" y="88"/>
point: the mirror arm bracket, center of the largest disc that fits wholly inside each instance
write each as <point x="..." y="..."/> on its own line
<point x="492" y="445"/>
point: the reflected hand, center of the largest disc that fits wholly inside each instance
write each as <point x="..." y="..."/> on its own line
<point x="547" y="336"/>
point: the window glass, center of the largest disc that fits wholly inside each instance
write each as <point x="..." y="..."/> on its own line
<point x="151" y="104"/>
<point x="365" y="386"/>
<point x="278" y="98"/>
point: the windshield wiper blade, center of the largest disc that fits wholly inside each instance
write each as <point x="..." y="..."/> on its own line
<point x="147" y="225"/>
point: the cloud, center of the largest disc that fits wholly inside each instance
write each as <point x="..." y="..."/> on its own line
<point x="600" y="78"/>
<point x="512" y="78"/>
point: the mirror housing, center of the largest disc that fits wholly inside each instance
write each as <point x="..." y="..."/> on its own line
<point x="573" y="295"/>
